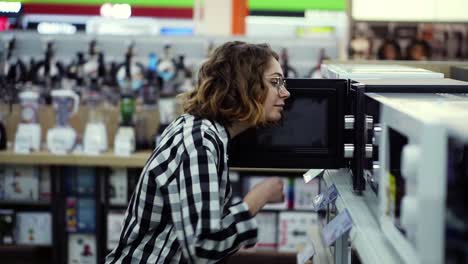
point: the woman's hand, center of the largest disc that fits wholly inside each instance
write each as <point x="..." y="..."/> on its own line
<point x="268" y="191"/>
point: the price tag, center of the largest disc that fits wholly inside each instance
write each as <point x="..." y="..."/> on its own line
<point x="306" y="255"/>
<point x="311" y="174"/>
<point x="324" y="199"/>
<point x="341" y="224"/>
<point x="22" y="143"/>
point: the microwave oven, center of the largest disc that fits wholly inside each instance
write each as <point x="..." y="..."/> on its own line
<point x="365" y="111"/>
<point x="424" y="172"/>
<point x="310" y="134"/>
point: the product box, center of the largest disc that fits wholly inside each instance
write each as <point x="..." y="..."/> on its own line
<point x="82" y="249"/>
<point x="295" y="230"/>
<point x="80" y="182"/>
<point x="34" y="228"/>
<point x="251" y="181"/>
<point x="267" y="231"/>
<point x="81" y="215"/>
<point x="45" y="185"/>
<point x="115" y="221"/>
<point x="2" y="182"/>
<point x="118" y="192"/>
<point x="7" y="227"/>
<point x="21" y="183"/>
<point x="304" y="193"/>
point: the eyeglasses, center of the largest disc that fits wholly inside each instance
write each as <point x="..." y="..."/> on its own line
<point x="279" y="83"/>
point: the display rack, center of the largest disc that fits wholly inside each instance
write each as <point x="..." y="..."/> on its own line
<point x="102" y="163"/>
<point x="365" y="236"/>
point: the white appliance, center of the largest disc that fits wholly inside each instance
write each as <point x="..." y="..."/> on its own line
<point x="28" y="133"/>
<point x="95" y="134"/>
<point x="61" y="139"/>
<point x="414" y="206"/>
<point x="376" y="71"/>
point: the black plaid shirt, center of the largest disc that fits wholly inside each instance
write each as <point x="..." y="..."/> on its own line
<point x="180" y="210"/>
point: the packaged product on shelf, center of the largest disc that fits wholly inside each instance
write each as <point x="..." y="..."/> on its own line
<point x="82" y="249"/>
<point x="267" y="231"/>
<point x="118" y="187"/>
<point x="2" y="182"/>
<point x="251" y="181"/>
<point x="21" y="183"/>
<point x="34" y="228"/>
<point x="295" y="230"/>
<point x="80" y="182"/>
<point x="44" y="184"/>
<point x="7" y="227"/>
<point x="304" y="193"/>
<point x="114" y="227"/>
<point x="81" y="215"/>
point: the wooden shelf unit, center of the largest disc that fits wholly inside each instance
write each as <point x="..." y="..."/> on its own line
<point x="108" y="159"/>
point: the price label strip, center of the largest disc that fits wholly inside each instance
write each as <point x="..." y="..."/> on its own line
<point x="322" y="200"/>
<point x="312" y="174"/>
<point x="341" y="224"/>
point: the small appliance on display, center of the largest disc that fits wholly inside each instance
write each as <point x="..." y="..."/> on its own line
<point x="167" y="71"/>
<point x="124" y="141"/>
<point x="167" y="113"/>
<point x="362" y="120"/>
<point x="183" y="80"/>
<point x="28" y="133"/>
<point x="424" y="161"/>
<point x="61" y="138"/>
<point x="95" y="135"/>
<point x="376" y="71"/>
<point x="310" y="134"/>
<point x="130" y="74"/>
<point x="48" y="73"/>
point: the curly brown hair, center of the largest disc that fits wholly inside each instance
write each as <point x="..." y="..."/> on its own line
<point x="231" y="85"/>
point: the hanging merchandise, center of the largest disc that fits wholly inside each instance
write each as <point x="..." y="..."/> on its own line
<point x="150" y="90"/>
<point x="62" y="137"/>
<point x="75" y="71"/>
<point x="288" y="70"/>
<point x="92" y="68"/>
<point x="48" y="73"/>
<point x="183" y="79"/>
<point x="14" y="68"/>
<point x="130" y="71"/>
<point x="167" y="71"/>
<point x="28" y="133"/>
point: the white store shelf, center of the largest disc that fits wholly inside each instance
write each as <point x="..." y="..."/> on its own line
<point x="366" y="236"/>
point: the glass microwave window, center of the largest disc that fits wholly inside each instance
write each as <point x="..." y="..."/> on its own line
<point x="304" y="124"/>
<point x="456" y="215"/>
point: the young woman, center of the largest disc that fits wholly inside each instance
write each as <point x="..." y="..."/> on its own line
<point x="181" y="209"/>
